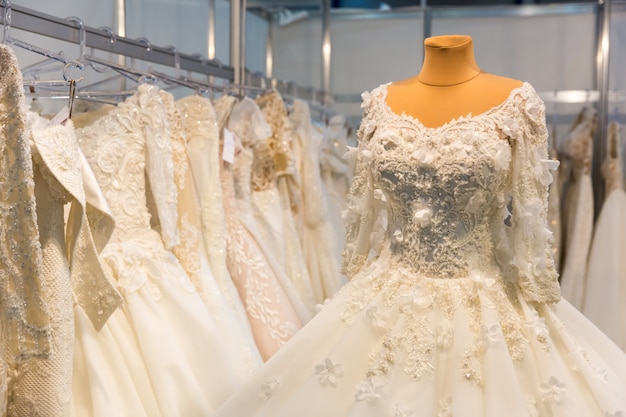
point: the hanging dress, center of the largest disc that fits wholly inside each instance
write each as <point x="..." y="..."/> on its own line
<point x="578" y="213"/>
<point x="320" y="241"/>
<point x="273" y="307"/>
<point x="453" y="305"/>
<point x="605" y="293"/>
<point x="276" y="195"/>
<point x="189" y="370"/>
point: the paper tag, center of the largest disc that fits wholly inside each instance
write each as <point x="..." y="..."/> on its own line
<point x="60" y="117"/>
<point x="228" y="153"/>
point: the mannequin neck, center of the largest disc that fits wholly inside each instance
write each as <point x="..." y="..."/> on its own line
<point x="448" y="60"/>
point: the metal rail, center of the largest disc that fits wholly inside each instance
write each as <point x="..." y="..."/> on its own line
<point x="54" y="27"/>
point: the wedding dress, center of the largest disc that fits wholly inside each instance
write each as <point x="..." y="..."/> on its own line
<point x="453" y="305"/>
<point x="318" y="238"/>
<point x="273" y="307"/>
<point x="202" y="135"/>
<point x="605" y="293"/>
<point x="578" y="210"/>
<point x="276" y="195"/>
<point x="236" y="336"/>
<point x="180" y="346"/>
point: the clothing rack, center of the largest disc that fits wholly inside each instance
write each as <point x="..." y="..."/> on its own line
<point x="104" y="40"/>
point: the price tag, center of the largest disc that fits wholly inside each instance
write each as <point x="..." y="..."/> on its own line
<point x="228" y="154"/>
<point x="60" y="117"/>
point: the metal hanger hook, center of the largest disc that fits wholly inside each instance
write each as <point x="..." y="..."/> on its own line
<point x="145" y="42"/>
<point x="68" y="67"/>
<point x="109" y="31"/>
<point x="82" y="31"/>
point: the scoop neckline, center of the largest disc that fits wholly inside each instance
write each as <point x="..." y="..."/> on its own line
<point x="458" y="120"/>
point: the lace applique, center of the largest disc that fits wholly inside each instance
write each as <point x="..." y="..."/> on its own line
<point x="328" y="372"/>
<point x="369" y="391"/>
<point x="268" y="388"/>
<point x="552" y="391"/>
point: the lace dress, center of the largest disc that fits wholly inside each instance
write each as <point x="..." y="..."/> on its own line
<point x="320" y="242"/>
<point x="605" y="293"/>
<point x="274" y="311"/>
<point x="453" y="305"/>
<point x="276" y="195"/>
<point x="578" y="213"/>
<point x="236" y="336"/>
<point x="175" y="332"/>
<point x="202" y="135"/>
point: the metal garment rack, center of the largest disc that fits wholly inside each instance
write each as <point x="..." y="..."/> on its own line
<point x="54" y="27"/>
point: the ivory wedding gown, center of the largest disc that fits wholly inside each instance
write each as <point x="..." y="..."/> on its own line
<point x="578" y="210"/>
<point x="605" y="293"/>
<point x="453" y="305"/>
<point x="274" y="308"/>
<point x="179" y="343"/>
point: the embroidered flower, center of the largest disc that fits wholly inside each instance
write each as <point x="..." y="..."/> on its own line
<point x="368" y="392"/>
<point x="397" y="235"/>
<point x="445" y="408"/>
<point x="461" y="149"/>
<point x="368" y="127"/>
<point x="401" y="412"/>
<point x="503" y="157"/>
<point x="533" y="109"/>
<point x="418" y="297"/>
<point x="328" y="372"/>
<point x="552" y="390"/>
<point x="424" y="156"/>
<point x="531" y="404"/>
<point x="510" y="128"/>
<point x="268" y="388"/>
<point x="423" y="216"/>
<point x="380" y="195"/>
<point x="366" y="99"/>
<point x="374" y="318"/>
<point x="491" y="335"/>
<point x="444" y="335"/>
<point x="480" y="281"/>
<point x="366" y="155"/>
<point x="466" y="135"/>
<point x="538" y="326"/>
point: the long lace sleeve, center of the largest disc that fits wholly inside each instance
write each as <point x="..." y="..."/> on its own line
<point x="524" y="249"/>
<point x="365" y="218"/>
<point x="24" y="314"/>
<point x="160" y="168"/>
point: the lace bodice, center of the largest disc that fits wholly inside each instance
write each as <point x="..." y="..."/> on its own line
<point x="124" y="145"/>
<point x="470" y="195"/>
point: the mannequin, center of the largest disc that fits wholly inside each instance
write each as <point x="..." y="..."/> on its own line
<point x="449" y="85"/>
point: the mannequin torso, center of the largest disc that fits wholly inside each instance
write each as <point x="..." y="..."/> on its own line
<point x="449" y="85"/>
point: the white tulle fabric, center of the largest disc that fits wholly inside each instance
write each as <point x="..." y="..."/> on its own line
<point x="435" y="321"/>
<point x="167" y="328"/>
<point x="605" y="291"/>
<point x="578" y="210"/>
